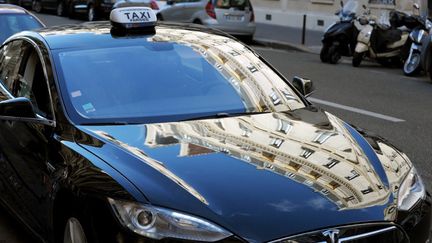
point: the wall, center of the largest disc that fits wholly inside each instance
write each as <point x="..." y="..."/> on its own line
<point x="320" y="13"/>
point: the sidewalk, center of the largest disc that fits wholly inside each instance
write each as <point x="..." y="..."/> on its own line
<point x="283" y="29"/>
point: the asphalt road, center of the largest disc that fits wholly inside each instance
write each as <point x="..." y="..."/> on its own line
<point x="372" y="97"/>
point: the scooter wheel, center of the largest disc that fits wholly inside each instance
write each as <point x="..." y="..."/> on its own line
<point x="324" y="54"/>
<point x="412" y="66"/>
<point x="334" y="54"/>
<point x="357" y="59"/>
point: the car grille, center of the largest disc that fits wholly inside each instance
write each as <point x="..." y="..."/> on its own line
<point x="383" y="233"/>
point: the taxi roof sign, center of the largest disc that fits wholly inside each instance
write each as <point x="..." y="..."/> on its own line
<point x="133" y="17"/>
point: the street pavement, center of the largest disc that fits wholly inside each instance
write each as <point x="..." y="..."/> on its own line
<point x="378" y="99"/>
<point x="288" y="37"/>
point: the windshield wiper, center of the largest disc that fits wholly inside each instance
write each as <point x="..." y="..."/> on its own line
<point x="224" y="115"/>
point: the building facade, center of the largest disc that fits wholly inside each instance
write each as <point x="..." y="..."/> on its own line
<point x="321" y="13"/>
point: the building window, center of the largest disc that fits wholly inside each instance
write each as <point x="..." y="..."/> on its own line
<point x="323" y="136"/>
<point x="391" y="2"/>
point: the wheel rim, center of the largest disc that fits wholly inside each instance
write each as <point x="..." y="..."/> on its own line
<point x="413" y="63"/>
<point x="60" y="9"/>
<point x="74" y="232"/>
<point x="91" y="14"/>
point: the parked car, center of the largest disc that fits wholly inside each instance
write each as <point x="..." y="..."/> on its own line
<point x="23" y="3"/>
<point x="235" y="17"/>
<point x="100" y="9"/>
<point x="133" y="131"/>
<point x="59" y="6"/>
<point x="14" y="19"/>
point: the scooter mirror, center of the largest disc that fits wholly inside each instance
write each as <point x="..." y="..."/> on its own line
<point x="342" y="3"/>
<point x="364" y="6"/>
<point x="416" y="6"/>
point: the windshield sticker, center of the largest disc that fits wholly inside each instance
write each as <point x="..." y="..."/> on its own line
<point x="76" y="94"/>
<point x="89" y="108"/>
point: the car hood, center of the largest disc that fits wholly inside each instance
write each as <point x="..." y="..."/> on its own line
<point x="263" y="176"/>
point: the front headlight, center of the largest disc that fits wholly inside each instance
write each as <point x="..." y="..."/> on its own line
<point x="159" y="223"/>
<point x="411" y="191"/>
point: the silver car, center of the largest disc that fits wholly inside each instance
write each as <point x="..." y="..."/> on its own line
<point x="235" y="17"/>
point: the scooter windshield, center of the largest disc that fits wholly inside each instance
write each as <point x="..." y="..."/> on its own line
<point x="350" y="8"/>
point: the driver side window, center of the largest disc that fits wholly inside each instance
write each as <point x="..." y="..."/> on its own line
<point x="32" y="83"/>
<point x="24" y="77"/>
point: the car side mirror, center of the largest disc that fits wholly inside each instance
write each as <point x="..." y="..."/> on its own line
<point x="17" y="107"/>
<point x="305" y="86"/>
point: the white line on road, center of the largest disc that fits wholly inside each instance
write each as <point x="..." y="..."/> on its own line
<point x="356" y="110"/>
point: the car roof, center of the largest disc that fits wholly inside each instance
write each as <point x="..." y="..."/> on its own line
<point x="98" y="34"/>
<point x="11" y="9"/>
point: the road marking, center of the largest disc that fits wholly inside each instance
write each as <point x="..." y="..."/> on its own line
<point x="356" y="110"/>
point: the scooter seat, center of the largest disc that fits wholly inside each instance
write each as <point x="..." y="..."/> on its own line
<point x="399" y="43"/>
<point x="383" y="27"/>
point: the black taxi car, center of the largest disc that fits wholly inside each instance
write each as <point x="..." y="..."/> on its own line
<point x="142" y="132"/>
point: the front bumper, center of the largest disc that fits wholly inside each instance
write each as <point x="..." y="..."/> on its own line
<point x="413" y="226"/>
<point x="417" y="222"/>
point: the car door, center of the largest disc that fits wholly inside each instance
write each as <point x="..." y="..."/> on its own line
<point x="24" y="143"/>
<point x="173" y="11"/>
<point x="192" y="9"/>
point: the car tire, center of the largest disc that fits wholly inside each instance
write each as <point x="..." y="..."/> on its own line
<point x="324" y="53"/>
<point x="61" y="11"/>
<point x="71" y="10"/>
<point x="73" y="222"/>
<point x="197" y="21"/>
<point x="37" y="6"/>
<point x="159" y="17"/>
<point x="74" y="231"/>
<point x="412" y="67"/>
<point x="430" y="75"/>
<point x="357" y="59"/>
<point x="91" y="13"/>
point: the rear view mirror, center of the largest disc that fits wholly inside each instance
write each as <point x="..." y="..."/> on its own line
<point x="17" y="107"/>
<point x="342" y="3"/>
<point x="305" y="86"/>
<point x="170" y="2"/>
<point x="416" y="6"/>
<point x="364" y="6"/>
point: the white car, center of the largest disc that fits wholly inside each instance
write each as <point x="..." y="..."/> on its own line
<point x="235" y="17"/>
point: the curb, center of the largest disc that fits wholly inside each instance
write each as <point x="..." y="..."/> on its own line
<point x="284" y="45"/>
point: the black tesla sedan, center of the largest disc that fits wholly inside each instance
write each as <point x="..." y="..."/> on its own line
<point x="175" y="133"/>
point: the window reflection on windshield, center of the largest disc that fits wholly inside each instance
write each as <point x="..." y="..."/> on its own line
<point x="175" y="73"/>
<point x="14" y="23"/>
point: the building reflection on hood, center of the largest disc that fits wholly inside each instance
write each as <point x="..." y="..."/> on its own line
<point x="328" y="161"/>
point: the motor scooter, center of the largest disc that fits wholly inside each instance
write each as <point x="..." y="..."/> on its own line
<point x="340" y="38"/>
<point x="420" y="28"/>
<point x="381" y="42"/>
<point x="426" y="55"/>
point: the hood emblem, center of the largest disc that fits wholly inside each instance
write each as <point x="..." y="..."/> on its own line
<point x="331" y="235"/>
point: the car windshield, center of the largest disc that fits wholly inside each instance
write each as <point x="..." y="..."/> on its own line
<point x="14" y="23"/>
<point x="168" y="81"/>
